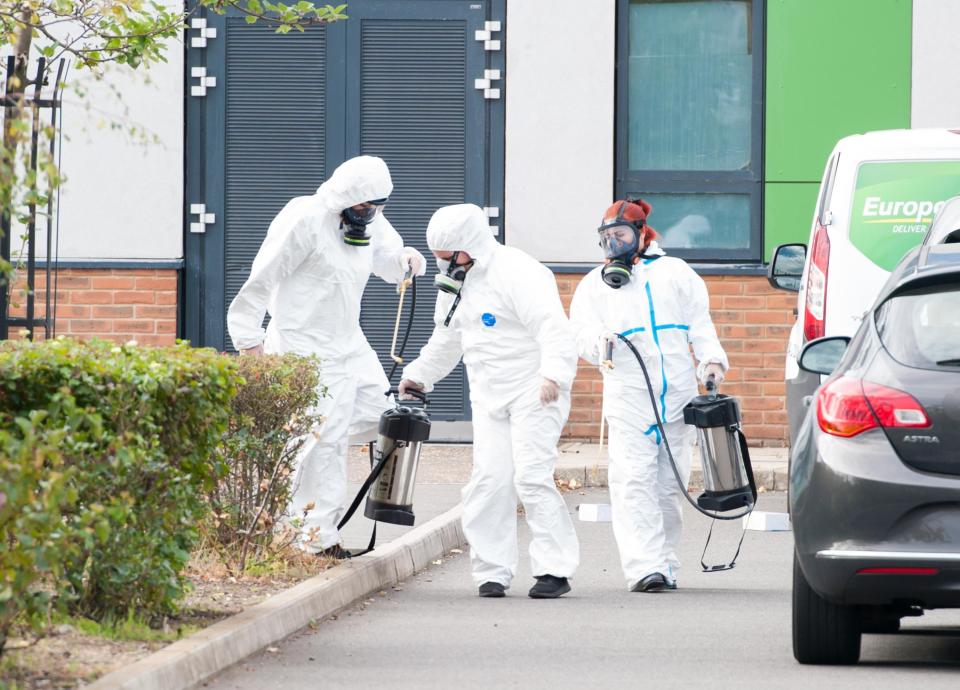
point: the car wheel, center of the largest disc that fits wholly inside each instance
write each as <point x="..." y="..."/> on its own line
<point x="823" y="632"/>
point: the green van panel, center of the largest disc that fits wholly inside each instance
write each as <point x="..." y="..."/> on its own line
<point x="894" y="204"/>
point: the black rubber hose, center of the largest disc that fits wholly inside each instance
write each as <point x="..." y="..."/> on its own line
<point x="406" y="335"/>
<point x="666" y="443"/>
<point x="374" y="473"/>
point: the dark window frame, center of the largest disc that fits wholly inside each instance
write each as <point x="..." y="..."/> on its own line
<point x="747" y="182"/>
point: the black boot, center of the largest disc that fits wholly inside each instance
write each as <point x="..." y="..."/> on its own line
<point x="549" y="587"/>
<point x="336" y="551"/>
<point x="493" y="590"/>
<point x="651" y="583"/>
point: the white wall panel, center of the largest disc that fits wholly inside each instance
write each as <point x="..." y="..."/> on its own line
<point x="935" y="88"/>
<point x="559" y="126"/>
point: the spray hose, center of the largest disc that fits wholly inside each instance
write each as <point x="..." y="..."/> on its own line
<point x="676" y="473"/>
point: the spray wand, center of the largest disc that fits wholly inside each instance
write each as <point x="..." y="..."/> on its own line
<point x="407" y="281"/>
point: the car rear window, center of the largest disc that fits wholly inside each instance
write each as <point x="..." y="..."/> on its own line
<point x="921" y="328"/>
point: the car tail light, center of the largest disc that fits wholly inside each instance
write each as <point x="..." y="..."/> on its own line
<point x="847" y="406"/>
<point x="816" y="306"/>
<point x="895" y="409"/>
<point x="898" y="571"/>
<point x="842" y="409"/>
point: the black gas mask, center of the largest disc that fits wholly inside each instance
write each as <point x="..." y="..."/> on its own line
<point x="450" y="280"/>
<point x="620" y="240"/>
<point x="451" y="276"/>
<point x="354" y="223"/>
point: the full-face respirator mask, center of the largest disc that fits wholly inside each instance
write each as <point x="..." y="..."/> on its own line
<point x="451" y="276"/>
<point x="354" y="223"/>
<point x="620" y="239"/>
<point x="450" y="280"/>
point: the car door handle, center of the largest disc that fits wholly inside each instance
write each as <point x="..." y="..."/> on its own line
<point x="807" y="399"/>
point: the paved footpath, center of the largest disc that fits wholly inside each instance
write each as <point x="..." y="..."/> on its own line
<point x="724" y="629"/>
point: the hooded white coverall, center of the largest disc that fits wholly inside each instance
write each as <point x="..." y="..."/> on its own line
<point x="312" y="282"/>
<point x="663" y="310"/>
<point x="512" y="333"/>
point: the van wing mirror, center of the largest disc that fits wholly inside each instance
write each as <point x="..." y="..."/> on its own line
<point x="821" y="356"/>
<point x="786" y="269"/>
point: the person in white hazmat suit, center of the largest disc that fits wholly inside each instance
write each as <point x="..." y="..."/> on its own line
<point x="662" y="306"/>
<point x="499" y="309"/>
<point x="310" y="274"/>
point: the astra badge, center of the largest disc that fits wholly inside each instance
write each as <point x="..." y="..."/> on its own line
<point x="921" y="439"/>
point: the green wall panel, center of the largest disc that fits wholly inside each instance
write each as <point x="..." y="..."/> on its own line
<point x="787" y="213"/>
<point x="833" y="69"/>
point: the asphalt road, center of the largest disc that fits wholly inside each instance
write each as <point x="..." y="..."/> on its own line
<point x="723" y="629"/>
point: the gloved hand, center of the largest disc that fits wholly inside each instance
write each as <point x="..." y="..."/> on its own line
<point x="602" y="348"/>
<point x="712" y="369"/>
<point x="413" y="260"/>
<point x="549" y="392"/>
<point x="406" y="385"/>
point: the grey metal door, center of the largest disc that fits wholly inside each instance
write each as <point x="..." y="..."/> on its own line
<point x="397" y="80"/>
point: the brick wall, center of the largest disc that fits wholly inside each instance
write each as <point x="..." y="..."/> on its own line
<point x="753" y="321"/>
<point x="108" y="303"/>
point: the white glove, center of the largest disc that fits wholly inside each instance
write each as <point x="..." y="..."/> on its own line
<point x="549" y="392"/>
<point x="602" y="348"/>
<point x="412" y="259"/>
<point x="254" y="351"/>
<point x="712" y="369"/>
<point x="406" y="385"/>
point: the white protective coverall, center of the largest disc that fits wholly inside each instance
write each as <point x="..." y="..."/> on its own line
<point x="663" y="310"/>
<point x="512" y="333"/>
<point x="311" y="282"/>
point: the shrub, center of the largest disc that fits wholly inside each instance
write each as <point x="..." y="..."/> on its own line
<point x="35" y="491"/>
<point x="161" y="413"/>
<point x="271" y="417"/>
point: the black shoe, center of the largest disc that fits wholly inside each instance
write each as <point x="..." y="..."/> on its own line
<point x="549" y="587"/>
<point x="493" y="590"/>
<point x="336" y="551"/>
<point x="671" y="584"/>
<point x="651" y="583"/>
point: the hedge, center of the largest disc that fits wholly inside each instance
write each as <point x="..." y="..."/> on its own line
<point x="109" y="451"/>
<point x="271" y="417"/>
<point x="35" y="491"/>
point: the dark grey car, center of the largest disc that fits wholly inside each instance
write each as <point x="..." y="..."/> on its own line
<point x="875" y="469"/>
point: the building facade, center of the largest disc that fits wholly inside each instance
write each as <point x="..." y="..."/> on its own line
<point x="719" y="112"/>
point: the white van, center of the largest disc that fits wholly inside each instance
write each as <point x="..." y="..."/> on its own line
<point x="878" y="196"/>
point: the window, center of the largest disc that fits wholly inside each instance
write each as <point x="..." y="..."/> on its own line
<point x="921" y="328"/>
<point x="689" y="122"/>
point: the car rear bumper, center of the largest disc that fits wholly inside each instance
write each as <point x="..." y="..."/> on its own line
<point x="856" y="506"/>
<point x="927" y="579"/>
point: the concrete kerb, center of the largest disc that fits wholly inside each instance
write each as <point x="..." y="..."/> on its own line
<point x="190" y="661"/>
<point x="588" y="465"/>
